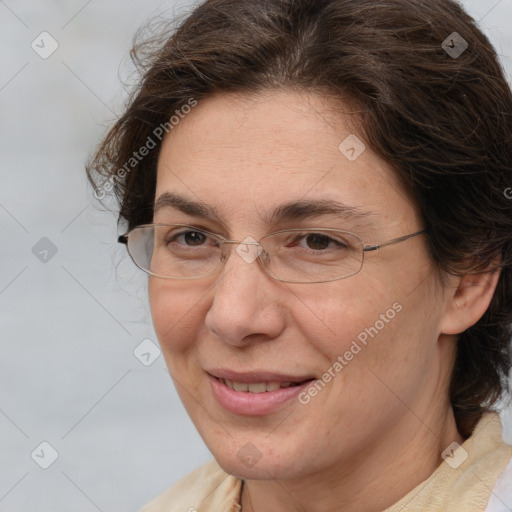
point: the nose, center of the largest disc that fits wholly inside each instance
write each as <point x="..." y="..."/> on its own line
<point x="246" y="304"/>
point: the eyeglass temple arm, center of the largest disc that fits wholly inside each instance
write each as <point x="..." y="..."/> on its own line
<point x="368" y="248"/>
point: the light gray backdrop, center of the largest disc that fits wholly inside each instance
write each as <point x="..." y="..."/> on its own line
<point x="73" y="312"/>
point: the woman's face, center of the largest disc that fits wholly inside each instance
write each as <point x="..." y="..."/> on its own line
<point x="244" y="157"/>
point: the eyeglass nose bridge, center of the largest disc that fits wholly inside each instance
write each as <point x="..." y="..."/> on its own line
<point x="247" y="254"/>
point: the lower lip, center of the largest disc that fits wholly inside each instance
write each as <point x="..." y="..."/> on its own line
<point x="253" y="404"/>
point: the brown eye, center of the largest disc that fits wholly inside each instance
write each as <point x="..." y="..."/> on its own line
<point x="318" y="242"/>
<point x="194" y="237"/>
<point x="190" y="238"/>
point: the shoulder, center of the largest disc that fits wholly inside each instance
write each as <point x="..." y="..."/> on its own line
<point x="501" y="496"/>
<point x="207" y="486"/>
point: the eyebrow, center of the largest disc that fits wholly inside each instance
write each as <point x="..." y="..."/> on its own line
<point x="290" y="211"/>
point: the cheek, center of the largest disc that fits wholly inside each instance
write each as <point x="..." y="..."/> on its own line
<point x="176" y="310"/>
<point x="375" y="323"/>
<point x="342" y="312"/>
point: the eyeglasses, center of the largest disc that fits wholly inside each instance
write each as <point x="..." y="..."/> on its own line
<point x="180" y="251"/>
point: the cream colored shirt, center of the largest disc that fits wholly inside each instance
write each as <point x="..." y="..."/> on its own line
<point x="480" y="483"/>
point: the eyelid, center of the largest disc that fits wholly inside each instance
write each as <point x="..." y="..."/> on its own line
<point x="193" y="222"/>
<point x="183" y="225"/>
<point x="361" y="230"/>
<point x="204" y="230"/>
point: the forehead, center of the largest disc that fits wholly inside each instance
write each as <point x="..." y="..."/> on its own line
<point x="242" y="153"/>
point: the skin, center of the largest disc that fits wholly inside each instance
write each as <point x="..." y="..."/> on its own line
<point x="378" y="427"/>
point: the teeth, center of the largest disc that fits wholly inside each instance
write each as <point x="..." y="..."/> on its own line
<point x="240" y="386"/>
<point x="259" y="387"/>
<point x="256" y="387"/>
<point x="272" y="386"/>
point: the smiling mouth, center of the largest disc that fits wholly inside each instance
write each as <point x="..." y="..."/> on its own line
<point x="259" y="394"/>
<point x="259" y="387"/>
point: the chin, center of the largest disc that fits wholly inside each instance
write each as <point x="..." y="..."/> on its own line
<point x="250" y="460"/>
<point x="249" y="470"/>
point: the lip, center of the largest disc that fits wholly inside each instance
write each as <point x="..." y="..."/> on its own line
<point x="254" y="404"/>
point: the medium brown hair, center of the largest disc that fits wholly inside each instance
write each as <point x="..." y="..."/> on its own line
<point x="442" y="121"/>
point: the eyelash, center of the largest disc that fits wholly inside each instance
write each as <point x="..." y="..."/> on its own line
<point x="298" y="238"/>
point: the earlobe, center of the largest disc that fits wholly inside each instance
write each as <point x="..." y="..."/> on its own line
<point x="469" y="300"/>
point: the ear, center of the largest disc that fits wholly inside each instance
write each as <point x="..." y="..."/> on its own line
<point x="468" y="298"/>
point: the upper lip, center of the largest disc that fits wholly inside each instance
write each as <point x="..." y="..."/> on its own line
<point x="255" y="376"/>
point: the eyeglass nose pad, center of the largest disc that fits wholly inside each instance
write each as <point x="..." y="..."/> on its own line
<point x="265" y="258"/>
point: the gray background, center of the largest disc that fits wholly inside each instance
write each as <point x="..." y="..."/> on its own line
<point x="70" y="321"/>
